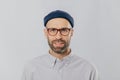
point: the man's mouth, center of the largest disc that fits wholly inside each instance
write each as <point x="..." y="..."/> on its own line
<point x="58" y="44"/>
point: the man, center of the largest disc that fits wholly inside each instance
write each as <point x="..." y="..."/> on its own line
<point x="59" y="63"/>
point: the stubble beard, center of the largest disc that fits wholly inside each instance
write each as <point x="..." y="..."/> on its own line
<point x="59" y="50"/>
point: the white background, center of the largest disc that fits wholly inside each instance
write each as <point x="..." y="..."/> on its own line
<point x="96" y="34"/>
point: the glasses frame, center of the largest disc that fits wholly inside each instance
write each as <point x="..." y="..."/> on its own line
<point x="60" y="30"/>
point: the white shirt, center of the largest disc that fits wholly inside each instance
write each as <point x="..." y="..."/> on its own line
<point x="71" y="67"/>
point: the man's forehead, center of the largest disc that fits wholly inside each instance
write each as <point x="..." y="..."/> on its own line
<point x="58" y="22"/>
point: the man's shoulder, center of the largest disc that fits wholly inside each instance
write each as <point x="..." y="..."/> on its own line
<point x="80" y="61"/>
<point x="36" y="61"/>
<point x="39" y="59"/>
<point x="86" y="66"/>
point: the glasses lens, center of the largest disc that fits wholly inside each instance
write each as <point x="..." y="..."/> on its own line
<point x="52" y="31"/>
<point x="65" y="31"/>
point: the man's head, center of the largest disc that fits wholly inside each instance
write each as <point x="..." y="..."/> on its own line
<point x="58" y="30"/>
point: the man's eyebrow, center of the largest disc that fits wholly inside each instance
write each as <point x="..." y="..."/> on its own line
<point x="57" y="28"/>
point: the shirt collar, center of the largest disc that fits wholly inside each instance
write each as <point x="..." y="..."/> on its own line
<point x="52" y="60"/>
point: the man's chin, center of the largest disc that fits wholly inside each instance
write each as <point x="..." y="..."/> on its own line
<point x="59" y="50"/>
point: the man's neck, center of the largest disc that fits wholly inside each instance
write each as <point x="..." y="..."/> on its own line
<point x="58" y="55"/>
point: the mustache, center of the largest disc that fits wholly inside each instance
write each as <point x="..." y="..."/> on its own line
<point x="58" y="40"/>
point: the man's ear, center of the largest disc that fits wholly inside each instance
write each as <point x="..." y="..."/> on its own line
<point x="72" y="32"/>
<point x="45" y="32"/>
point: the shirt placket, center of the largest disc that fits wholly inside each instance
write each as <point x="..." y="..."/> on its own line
<point x="59" y="66"/>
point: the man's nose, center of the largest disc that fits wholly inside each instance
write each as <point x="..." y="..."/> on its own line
<point x="58" y="35"/>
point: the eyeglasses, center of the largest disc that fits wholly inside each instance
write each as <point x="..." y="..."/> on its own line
<point x="54" y="31"/>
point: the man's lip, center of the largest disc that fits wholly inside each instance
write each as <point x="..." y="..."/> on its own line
<point x="58" y="41"/>
<point x="58" y="44"/>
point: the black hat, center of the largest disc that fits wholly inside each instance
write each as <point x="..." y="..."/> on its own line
<point x="58" y="14"/>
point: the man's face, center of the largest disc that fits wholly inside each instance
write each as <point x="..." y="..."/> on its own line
<point x="59" y="42"/>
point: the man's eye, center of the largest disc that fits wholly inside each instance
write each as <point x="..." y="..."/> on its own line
<point x="52" y="30"/>
<point x="64" y="29"/>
